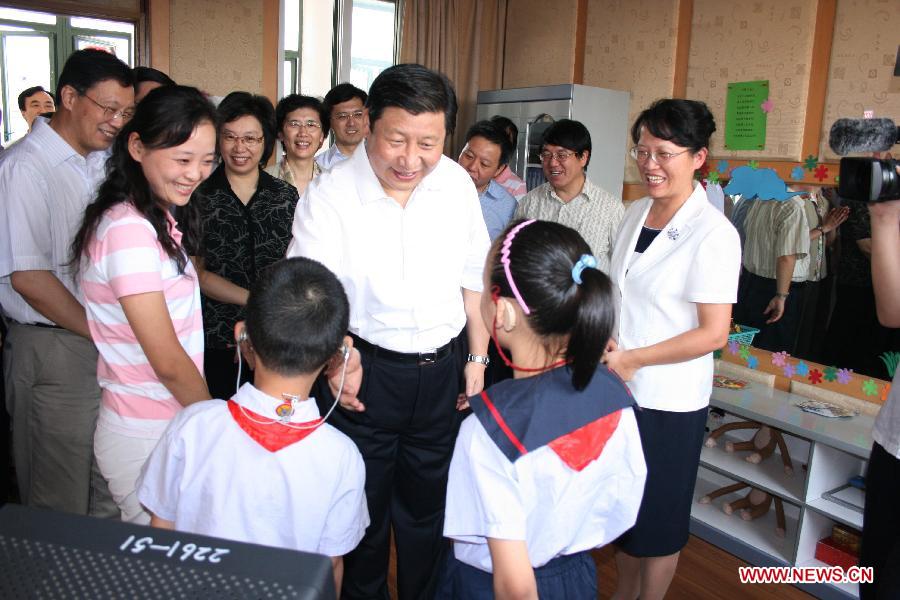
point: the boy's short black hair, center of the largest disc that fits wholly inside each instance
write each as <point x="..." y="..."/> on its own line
<point x="571" y="135"/>
<point x="292" y="102"/>
<point x="415" y="89"/>
<point x="507" y="125"/>
<point x="86" y="68"/>
<point x="344" y="92"/>
<point x="492" y="133"/>
<point x="242" y="104"/>
<point x="297" y="316"/>
<point x="28" y="93"/>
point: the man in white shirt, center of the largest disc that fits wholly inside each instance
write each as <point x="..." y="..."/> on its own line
<point x="349" y="118"/>
<point x="401" y="226"/>
<point x="569" y="197"/>
<point x="50" y="362"/>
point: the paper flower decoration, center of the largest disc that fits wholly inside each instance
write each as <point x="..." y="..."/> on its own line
<point x="810" y="163"/>
<point x="815" y="377"/>
<point x="745" y="351"/>
<point x="802" y="369"/>
<point x="844" y="375"/>
<point x="788" y="370"/>
<point x="712" y="177"/>
<point x="830" y="373"/>
<point x="733" y="347"/>
<point x="767" y="106"/>
<point x="797" y="173"/>
<point x="779" y="358"/>
<point x="869" y="387"/>
<point x="722" y="167"/>
<point x="821" y="172"/>
<point x="752" y="362"/>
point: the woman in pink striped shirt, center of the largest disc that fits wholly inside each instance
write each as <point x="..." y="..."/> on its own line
<point x="140" y="290"/>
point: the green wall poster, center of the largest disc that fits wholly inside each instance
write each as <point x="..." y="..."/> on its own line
<point x="745" y="118"/>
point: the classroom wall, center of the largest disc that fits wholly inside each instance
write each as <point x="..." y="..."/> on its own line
<point x="631" y="45"/>
<point x="216" y="46"/>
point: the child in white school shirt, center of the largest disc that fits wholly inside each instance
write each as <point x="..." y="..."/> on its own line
<point x="264" y="467"/>
<point x="550" y="464"/>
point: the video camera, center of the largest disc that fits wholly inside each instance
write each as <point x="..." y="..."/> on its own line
<point x="866" y="179"/>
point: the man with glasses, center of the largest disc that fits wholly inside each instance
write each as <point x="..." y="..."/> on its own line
<point x="569" y="197"/>
<point x="346" y="104"/>
<point x="50" y="362"/>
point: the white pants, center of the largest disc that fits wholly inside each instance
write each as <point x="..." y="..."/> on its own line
<point x="120" y="458"/>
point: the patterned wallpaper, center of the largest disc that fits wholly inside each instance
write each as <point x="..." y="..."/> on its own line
<point x="540" y="42"/>
<point x="863" y="52"/>
<point x="630" y="46"/>
<point x="748" y="41"/>
<point x="217" y="46"/>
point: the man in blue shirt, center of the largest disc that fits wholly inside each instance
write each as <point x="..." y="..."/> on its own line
<point x="486" y="152"/>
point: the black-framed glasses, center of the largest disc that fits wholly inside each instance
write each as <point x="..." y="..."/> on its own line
<point x="659" y="158"/>
<point x="110" y="113"/>
<point x="309" y="124"/>
<point x="561" y="156"/>
<point x="343" y="116"/>
<point x="248" y="140"/>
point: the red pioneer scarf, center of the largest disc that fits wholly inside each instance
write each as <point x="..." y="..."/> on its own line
<point x="270" y="434"/>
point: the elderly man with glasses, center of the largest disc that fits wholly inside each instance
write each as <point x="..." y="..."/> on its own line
<point x="50" y="363"/>
<point x="349" y="118"/>
<point x="569" y="197"/>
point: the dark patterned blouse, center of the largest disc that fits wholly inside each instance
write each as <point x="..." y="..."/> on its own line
<point x="238" y="241"/>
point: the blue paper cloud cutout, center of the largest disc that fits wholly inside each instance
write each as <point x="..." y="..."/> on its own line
<point x="764" y="184"/>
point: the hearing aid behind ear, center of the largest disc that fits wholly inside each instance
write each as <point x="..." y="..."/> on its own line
<point x="510" y="316"/>
<point x="242" y="336"/>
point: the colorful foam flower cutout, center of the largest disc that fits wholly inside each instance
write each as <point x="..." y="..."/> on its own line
<point x="802" y="369"/>
<point x="753" y="164"/>
<point x="797" y="173"/>
<point x="767" y="106"/>
<point x="722" y="167"/>
<point x="844" y="376"/>
<point x="830" y="373"/>
<point x="821" y="172"/>
<point x="815" y="377"/>
<point x="712" y="177"/>
<point x="788" y="370"/>
<point x="779" y="359"/>
<point x="752" y="362"/>
<point x="745" y="351"/>
<point x="733" y="347"/>
<point x="869" y="387"/>
<point x="811" y="162"/>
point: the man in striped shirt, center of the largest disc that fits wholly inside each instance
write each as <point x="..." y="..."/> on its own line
<point x="50" y="363"/>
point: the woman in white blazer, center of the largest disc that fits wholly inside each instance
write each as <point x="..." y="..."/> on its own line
<point x="675" y="266"/>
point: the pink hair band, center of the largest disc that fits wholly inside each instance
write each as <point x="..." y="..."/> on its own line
<point x="504" y="258"/>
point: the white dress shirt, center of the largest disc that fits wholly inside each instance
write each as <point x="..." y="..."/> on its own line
<point x="45" y="185"/>
<point x="210" y="478"/>
<point x="402" y="268"/>
<point x="330" y="157"/>
<point x="695" y="259"/>
<point x="555" y="509"/>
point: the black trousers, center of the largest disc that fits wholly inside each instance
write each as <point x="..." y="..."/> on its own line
<point x="881" y="526"/>
<point x="220" y="371"/>
<point x="754" y="294"/>
<point x="406" y="437"/>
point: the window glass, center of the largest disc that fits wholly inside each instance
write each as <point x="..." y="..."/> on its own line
<point x="27" y="63"/>
<point x="292" y="25"/>
<point x="102" y="25"/>
<point x="372" y="40"/>
<point x="27" y="15"/>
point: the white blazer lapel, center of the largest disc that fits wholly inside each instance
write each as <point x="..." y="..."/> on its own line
<point x="630" y="229"/>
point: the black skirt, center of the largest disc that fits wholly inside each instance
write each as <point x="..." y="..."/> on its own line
<point x="672" y="442"/>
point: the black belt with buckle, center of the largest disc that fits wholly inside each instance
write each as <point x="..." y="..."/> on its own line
<point x="406" y="358"/>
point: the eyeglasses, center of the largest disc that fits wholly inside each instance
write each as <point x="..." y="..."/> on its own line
<point x="659" y="158"/>
<point x="110" y="113"/>
<point x="309" y="124"/>
<point x="248" y="140"/>
<point x="561" y="156"/>
<point x="343" y="116"/>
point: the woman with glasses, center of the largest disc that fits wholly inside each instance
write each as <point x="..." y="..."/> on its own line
<point x="302" y="125"/>
<point x="675" y="264"/>
<point x="245" y="217"/>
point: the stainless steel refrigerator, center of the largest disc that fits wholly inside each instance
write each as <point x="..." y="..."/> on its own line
<point x="604" y="113"/>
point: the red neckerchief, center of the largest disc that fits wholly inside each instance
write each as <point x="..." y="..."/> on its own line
<point x="273" y="436"/>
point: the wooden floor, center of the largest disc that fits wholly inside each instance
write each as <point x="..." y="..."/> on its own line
<point x="704" y="573"/>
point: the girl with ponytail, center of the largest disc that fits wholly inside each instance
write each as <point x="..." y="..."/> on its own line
<point x="549" y="465"/>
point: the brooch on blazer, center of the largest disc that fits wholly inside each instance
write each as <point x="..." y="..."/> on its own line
<point x="672" y="232"/>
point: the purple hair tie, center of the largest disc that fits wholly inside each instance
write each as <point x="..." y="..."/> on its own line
<point x="504" y="258"/>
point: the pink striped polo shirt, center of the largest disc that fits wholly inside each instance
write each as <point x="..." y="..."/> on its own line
<point x="125" y="258"/>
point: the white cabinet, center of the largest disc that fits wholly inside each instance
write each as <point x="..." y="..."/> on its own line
<point x="825" y="452"/>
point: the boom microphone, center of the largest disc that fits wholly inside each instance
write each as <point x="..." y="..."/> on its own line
<point x="863" y="135"/>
